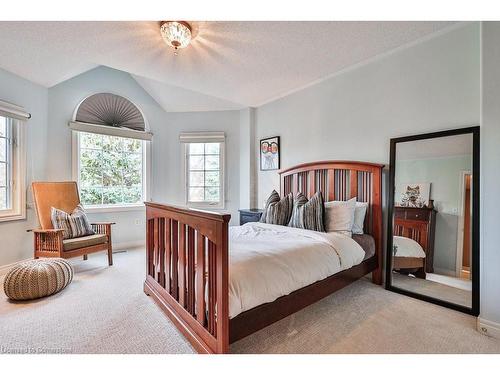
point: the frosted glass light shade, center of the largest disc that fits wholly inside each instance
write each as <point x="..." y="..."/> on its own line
<point x="177" y="34"/>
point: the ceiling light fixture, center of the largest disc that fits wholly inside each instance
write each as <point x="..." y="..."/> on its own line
<point x="177" y="34"/>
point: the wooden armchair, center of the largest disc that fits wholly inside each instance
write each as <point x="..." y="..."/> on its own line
<point x="49" y="242"/>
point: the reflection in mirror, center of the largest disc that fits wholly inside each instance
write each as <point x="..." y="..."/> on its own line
<point x="432" y="218"/>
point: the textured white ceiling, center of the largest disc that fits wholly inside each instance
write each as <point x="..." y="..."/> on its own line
<point x="236" y="63"/>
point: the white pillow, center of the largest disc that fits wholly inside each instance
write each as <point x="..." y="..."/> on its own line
<point x="359" y="217"/>
<point x="339" y="216"/>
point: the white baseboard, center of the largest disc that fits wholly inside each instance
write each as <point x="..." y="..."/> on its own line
<point x="119" y="246"/>
<point x="488" y="328"/>
<point x="129" y="245"/>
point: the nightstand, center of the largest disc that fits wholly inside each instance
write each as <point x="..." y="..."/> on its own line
<point x="250" y="215"/>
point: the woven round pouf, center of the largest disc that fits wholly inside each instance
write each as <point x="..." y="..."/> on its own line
<point x="37" y="278"/>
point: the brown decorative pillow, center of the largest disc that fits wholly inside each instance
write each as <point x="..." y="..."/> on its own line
<point x="308" y="214"/>
<point x="277" y="211"/>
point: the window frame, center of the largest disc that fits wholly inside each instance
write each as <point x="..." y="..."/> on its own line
<point x="146" y="173"/>
<point x="17" y="171"/>
<point x="221" y="204"/>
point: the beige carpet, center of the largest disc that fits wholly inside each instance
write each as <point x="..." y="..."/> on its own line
<point x="432" y="289"/>
<point x="105" y="310"/>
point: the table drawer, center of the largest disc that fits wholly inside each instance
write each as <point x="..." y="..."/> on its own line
<point x="399" y="214"/>
<point x="421" y="215"/>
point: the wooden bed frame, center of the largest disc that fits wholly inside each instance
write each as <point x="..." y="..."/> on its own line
<point x="417" y="231"/>
<point x="187" y="257"/>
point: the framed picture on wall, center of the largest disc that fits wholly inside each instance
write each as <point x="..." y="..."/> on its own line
<point x="270" y="154"/>
<point x="413" y="195"/>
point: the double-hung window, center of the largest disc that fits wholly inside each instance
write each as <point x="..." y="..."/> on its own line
<point x="110" y="170"/>
<point x="204" y="167"/>
<point x="12" y="169"/>
<point x="6" y="156"/>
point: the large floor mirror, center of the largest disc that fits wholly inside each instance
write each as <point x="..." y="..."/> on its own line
<point x="433" y="231"/>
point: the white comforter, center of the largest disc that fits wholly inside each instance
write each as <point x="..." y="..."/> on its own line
<point x="269" y="261"/>
<point x="406" y="247"/>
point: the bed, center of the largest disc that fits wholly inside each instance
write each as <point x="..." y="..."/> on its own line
<point x="410" y="240"/>
<point x="269" y="261"/>
<point x="219" y="284"/>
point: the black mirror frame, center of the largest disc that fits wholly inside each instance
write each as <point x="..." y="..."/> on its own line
<point x="474" y="130"/>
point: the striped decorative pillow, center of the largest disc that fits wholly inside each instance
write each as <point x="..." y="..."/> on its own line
<point x="74" y="225"/>
<point x="277" y="211"/>
<point x="308" y="214"/>
<point x="273" y="199"/>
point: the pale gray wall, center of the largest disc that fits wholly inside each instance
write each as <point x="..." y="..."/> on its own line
<point x="167" y="155"/>
<point x="15" y="243"/>
<point x="444" y="175"/>
<point x="490" y="176"/>
<point x="247" y="159"/>
<point x="429" y="86"/>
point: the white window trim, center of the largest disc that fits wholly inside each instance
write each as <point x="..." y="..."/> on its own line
<point x="205" y="205"/>
<point x="146" y="170"/>
<point x="18" y="178"/>
<point x="13" y="111"/>
<point x="110" y="130"/>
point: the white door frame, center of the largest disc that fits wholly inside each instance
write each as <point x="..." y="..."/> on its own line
<point x="460" y="231"/>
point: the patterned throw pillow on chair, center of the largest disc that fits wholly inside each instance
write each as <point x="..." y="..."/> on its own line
<point x="74" y="225"/>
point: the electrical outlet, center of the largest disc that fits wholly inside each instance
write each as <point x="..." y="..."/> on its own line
<point x="137" y="221"/>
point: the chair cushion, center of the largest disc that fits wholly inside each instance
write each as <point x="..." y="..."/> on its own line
<point x="78" y="243"/>
<point x="37" y="278"/>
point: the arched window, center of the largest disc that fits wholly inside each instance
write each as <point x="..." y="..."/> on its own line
<point x="110" y="152"/>
<point x="111" y="110"/>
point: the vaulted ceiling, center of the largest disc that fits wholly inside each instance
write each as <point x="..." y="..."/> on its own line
<point x="229" y="65"/>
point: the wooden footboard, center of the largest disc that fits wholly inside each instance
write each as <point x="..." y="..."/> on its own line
<point x="187" y="272"/>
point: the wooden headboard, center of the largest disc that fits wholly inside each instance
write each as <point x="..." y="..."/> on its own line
<point x="341" y="180"/>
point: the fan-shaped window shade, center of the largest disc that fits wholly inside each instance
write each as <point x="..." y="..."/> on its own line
<point x="110" y="114"/>
<point x="111" y="110"/>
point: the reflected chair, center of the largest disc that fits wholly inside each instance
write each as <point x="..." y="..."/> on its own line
<point x="49" y="242"/>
